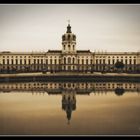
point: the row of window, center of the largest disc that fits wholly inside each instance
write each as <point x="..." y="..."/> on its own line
<point x="77" y="84"/>
<point x="116" y="57"/>
<point x="16" y="56"/>
<point x="115" y="87"/>
<point x="27" y="57"/>
<point x="69" y="48"/>
<point x="28" y="87"/>
<point x="37" y="61"/>
<point x="72" y="61"/>
<point x="68" y="60"/>
<point x="64" y="49"/>
<point x="126" y="61"/>
<point x="24" y="61"/>
<point x="69" y="36"/>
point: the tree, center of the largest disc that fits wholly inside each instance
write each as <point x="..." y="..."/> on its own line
<point x="119" y="91"/>
<point x="119" y="65"/>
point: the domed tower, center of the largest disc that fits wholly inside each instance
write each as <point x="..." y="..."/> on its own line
<point x="68" y="41"/>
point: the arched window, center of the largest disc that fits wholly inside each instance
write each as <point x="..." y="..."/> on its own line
<point x="74" y="37"/>
<point x="69" y="47"/>
<point x="69" y="60"/>
<point x="73" y="47"/>
<point x="63" y="37"/>
<point x="134" y="61"/>
<point x="64" y="47"/>
<point x="68" y="37"/>
<point x="64" y="60"/>
<point x="73" y="60"/>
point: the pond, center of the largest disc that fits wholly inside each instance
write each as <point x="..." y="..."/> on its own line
<point x="70" y="108"/>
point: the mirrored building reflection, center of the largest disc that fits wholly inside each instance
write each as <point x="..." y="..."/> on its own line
<point x="68" y="87"/>
<point x="69" y="90"/>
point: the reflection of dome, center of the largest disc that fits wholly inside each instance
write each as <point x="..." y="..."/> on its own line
<point x="119" y="91"/>
<point x="68" y="104"/>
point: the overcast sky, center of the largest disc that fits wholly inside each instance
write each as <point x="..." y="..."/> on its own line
<point x="97" y="27"/>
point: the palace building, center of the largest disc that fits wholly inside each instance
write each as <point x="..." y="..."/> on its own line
<point x="69" y="59"/>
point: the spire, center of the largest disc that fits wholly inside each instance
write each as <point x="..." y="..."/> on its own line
<point x="68" y="21"/>
<point x="69" y="115"/>
<point x="68" y="27"/>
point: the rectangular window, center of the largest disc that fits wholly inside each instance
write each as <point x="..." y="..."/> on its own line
<point x="55" y="61"/>
<point x="130" y="61"/>
<point x="86" y="61"/>
<point x="3" y="61"/>
<point x="20" y="61"/>
<point x="16" y="61"/>
<point x="46" y="61"/>
<point x="96" y="61"/>
<point x="113" y="61"/>
<point x="100" y="61"/>
<point x="34" y="61"/>
<point x="103" y="61"/>
<point x="134" y="61"/>
<point x="41" y="61"/>
<point x="29" y="61"/>
<point x="12" y="62"/>
<point x="50" y="61"/>
<point x="25" y="61"/>
<point x="82" y="61"/>
<point x="108" y="61"/>
<point x="91" y="61"/>
<point x="125" y="61"/>
<point x="8" y="61"/>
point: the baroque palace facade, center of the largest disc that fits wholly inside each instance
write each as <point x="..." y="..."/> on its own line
<point x="68" y="59"/>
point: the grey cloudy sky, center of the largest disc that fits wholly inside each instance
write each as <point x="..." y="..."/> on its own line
<point x="97" y="27"/>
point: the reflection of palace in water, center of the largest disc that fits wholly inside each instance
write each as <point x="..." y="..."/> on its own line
<point x="64" y="87"/>
<point x="68" y="90"/>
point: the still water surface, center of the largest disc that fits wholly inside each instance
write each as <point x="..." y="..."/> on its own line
<point x="47" y="108"/>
